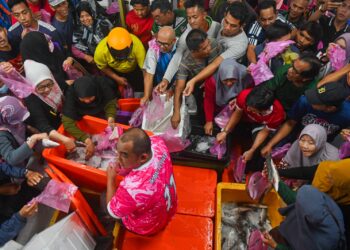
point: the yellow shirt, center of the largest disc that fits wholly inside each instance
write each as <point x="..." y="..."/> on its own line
<point x="103" y="57"/>
<point x="333" y="178"/>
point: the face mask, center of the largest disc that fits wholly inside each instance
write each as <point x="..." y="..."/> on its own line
<point x="4" y="89"/>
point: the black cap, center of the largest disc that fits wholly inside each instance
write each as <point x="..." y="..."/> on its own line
<point x="331" y="94"/>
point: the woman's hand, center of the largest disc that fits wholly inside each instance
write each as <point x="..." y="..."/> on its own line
<point x="33" y="178"/>
<point x="90" y="148"/>
<point x="67" y="63"/>
<point x="268" y="240"/>
<point x="7" y="67"/>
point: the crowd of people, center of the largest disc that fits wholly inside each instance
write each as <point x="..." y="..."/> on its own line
<point x="281" y="66"/>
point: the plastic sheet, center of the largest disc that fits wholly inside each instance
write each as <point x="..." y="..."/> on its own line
<point x="57" y="195"/>
<point x="337" y="56"/>
<point x="224" y="116"/>
<point x="255" y="241"/>
<point x="257" y="186"/>
<point x="239" y="170"/>
<point x="18" y="85"/>
<point x="279" y="152"/>
<point x="136" y="118"/>
<point x="218" y="149"/>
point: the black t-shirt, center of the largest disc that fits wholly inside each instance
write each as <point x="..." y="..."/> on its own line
<point x="329" y="32"/>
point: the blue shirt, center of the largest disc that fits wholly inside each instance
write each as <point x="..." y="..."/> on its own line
<point x="333" y="122"/>
<point x="64" y="29"/>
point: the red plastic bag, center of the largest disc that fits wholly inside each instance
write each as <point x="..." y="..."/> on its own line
<point x="239" y="170"/>
<point x="57" y="195"/>
<point x="279" y="152"/>
<point x="224" y="116"/>
<point x="255" y="241"/>
<point x="257" y="186"/>
<point x="136" y="118"/>
<point x="218" y="149"/>
<point x="174" y="143"/>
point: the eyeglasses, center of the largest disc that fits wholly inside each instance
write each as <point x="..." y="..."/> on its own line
<point x="42" y="87"/>
<point x="165" y="45"/>
<point x="295" y="70"/>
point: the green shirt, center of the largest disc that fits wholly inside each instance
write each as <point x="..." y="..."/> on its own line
<point x="179" y="24"/>
<point x="285" y="91"/>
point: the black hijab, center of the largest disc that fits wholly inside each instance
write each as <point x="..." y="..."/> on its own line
<point x="34" y="46"/>
<point x="88" y="86"/>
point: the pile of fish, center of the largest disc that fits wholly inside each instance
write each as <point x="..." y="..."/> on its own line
<point x="105" y="150"/>
<point x="238" y="221"/>
<point x="201" y="144"/>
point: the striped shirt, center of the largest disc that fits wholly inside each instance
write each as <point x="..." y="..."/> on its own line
<point x="179" y="25"/>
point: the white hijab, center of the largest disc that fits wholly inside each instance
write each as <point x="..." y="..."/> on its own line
<point x="38" y="72"/>
<point x="325" y="151"/>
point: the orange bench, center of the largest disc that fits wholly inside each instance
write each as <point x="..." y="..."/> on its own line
<point x="195" y="189"/>
<point x="183" y="232"/>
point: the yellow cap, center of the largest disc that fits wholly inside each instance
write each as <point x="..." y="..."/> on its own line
<point x="119" y="38"/>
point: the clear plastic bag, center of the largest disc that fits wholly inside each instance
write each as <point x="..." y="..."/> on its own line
<point x="136" y="118"/>
<point x="57" y="195"/>
<point x="18" y="85"/>
<point x="257" y="186"/>
<point x="224" y="116"/>
<point x="239" y="170"/>
<point x="218" y="149"/>
<point x="155" y="109"/>
<point x="173" y="142"/>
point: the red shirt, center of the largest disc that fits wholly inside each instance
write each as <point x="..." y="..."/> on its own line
<point x="272" y="119"/>
<point x="140" y="27"/>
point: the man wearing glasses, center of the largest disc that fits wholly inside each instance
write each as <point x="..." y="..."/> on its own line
<point x="161" y="51"/>
<point x="121" y="56"/>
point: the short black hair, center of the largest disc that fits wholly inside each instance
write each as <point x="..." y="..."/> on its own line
<point x="314" y="63"/>
<point x="277" y="30"/>
<point x="266" y="4"/>
<point x="163" y="5"/>
<point x="142" y="2"/>
<point x="195" y="38"/>
<point x="194" y="3"/>
<point x="239" y="11"/>
<point x="260" y="97"/>
<point x="141" y="143"/>
<point x="314" y="29"/>
<point x="12" y="3"/>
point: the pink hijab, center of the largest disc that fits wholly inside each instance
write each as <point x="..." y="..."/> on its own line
<point x="12" y="115"/>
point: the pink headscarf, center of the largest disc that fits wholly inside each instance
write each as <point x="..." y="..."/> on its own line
<point x="12" y="115"/>
<point x="35" y="74"/>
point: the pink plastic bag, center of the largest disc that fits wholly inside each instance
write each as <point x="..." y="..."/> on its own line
<point x="136" y="118"/>
<point x="174" y="143"/>
<point x="273" y="49"/>
<point x="260" y="72"/>
<point x="104" y="142"/>
<point x="218" y="149"/>
<point x="344" y="150"/>
<point x="57" y="195"/>
<point x="224" y="116"/>
<point x="113" y="8"/>
<point x="73" y="73"/>
<point x="45" y="16"/>
<point x="155" y="109"/>
<point x="239" y="170"/>
<point x="257" y="186"/>
<point x="255" y="241"/>
<point x="18" y="85"/>
<point x="280" y="152"/>
<point x="337" y="56"/>
<point x="128" y="91"/>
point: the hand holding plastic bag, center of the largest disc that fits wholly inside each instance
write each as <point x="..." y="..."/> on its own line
<point x="155" y="108"/>
<point x="239" y="170"/>
<point x="224" y="116"/>
<point x="57" y="195"/>
<point x="255" y="241"/>
<point x="218" y="149"/>
<point x="136" y="118"/>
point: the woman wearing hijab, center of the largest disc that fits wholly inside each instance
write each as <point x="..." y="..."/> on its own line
<point x="89" y="33"/>
<point x="36" y="47"/>
<point x="89" y="95"/>
<point x="312" y="221"/>
<point x="230" y="79"/>
<point x="45" y="103"/>
<point x="14" y="149"/>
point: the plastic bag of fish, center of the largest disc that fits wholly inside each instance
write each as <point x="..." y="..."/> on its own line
<point x="239" y="221"/>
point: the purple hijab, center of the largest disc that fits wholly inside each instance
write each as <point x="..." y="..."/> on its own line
<point x="12" y="115"/>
